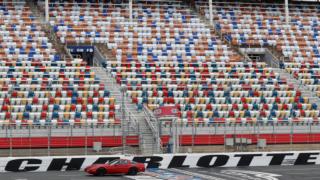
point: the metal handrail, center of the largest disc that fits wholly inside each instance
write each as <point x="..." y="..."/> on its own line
<point x="275" y="64"/>
<point x="155" y="131"/>
<point x="203" y="4"/>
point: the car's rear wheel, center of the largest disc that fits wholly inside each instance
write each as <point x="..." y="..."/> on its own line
<point x="101" y="172"/>
<point x="133" y="171"/>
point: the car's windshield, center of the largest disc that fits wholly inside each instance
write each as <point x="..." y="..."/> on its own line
<point x="114" y="162"/>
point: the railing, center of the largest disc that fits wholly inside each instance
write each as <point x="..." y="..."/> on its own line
<point x="99" y="59"/>
<point x="153" y="124"/>
<point x="278" y="136"/>
<point x="245" y="4"/>
<point x="273" y="62"/>
<point x="133" y="122"/>
<point x="47" y="140"/>
<point x="78" y="140"/>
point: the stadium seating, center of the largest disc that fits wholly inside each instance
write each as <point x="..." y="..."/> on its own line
<point x="263" y="25"/>
<point x="37" y="86"/>
<point x="168" y="56"/>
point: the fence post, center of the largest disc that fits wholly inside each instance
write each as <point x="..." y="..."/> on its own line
<point x="193" y="131"/>
<point x="10" y="141"/>
<point x="234" y="136"/>
<point x="29" y="135"/>
<point x="273" y="131"/>
<point x="215" y="131"/>
<point x="257" y="130"/>
<point x="180" y="137"/>
<point x="86" y="139"/>
<point x="310" y="134"/>
<point x="224" y="136"/>
<point x="49" y="139"/>
<point x="291" y="136"/>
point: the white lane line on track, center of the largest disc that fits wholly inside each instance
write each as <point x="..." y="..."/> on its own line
<point x="194" y="174"/>
<point x="142" y="177"/>
<point x="282" y="168"/>
<point x="314" y="177"/>
<point x="251" y="174"/>
<point x="227" y="176"/>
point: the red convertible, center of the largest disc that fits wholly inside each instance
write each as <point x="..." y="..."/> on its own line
<point x="118" y="166"/>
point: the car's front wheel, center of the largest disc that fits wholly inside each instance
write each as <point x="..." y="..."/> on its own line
<point x="133" y="171"/>
<point x="101" y="172"/>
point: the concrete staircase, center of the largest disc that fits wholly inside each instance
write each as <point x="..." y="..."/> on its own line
<point x="147" y="138"/>
<point x="147" y="141"/>
<point x="135" y="121"/>
<point x="151" y="140"/>
<point x="48" y="30"/>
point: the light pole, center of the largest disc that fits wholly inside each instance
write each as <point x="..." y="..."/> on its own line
<point x="123" y="90"/>
<point x="210" y="13"/>
<point x="286" y="6"/>
<point x="47" y="11"/>
<point x="130" y="10"/>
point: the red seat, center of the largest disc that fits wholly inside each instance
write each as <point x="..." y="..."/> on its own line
<point x="6" y="101"/>
<point x="95" y="93"/>
<point x="189" y="114"/>
<point x="101" y="100"/>
<point x="79" y="100"/>
<point x="231" y="114"/>
<point x="4" y="108"/>
<point x="45" y="107"/>
<point x="43" y="115"/>
<point x="90" y="100"/>
<point x="235" y="107"/>
<point x="14" y="94"/>
<point x="51" y="100"/>
<point x="112" y="107"/>
<point x="89" y="114"/>
<point x="73" y="107"/>
<point x="69" y="93"/>
<point x="84" y="107"/>
<point x="35" y="100"/>
<point x="111" y="114"/>
<point x="8" y="115"/>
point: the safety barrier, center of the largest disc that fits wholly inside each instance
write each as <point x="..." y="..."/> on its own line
<point x="36" y="164"/>
<point x="115" y="141"/>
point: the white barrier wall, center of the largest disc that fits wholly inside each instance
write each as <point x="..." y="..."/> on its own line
<point x="67" y="163"/>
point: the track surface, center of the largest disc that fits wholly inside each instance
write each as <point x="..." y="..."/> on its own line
<point x="245" y="173"/>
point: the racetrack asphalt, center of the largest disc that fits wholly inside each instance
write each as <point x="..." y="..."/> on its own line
<point x="306" y="172"/>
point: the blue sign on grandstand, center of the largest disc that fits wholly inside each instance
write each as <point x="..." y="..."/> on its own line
<point x="80" y="49"/>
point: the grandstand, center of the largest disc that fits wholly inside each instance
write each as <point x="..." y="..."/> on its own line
<point x="97" y="71"/>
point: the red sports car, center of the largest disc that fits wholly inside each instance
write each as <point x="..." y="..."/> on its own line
<point x="118" y="166"/>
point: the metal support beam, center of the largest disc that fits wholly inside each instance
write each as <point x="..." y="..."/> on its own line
<point x="47" y="11"/>
<point x="130" y="10"/>
<point x="286" y="6"/>
<point x="175" y="136"/>
<point x="210" y="13"/>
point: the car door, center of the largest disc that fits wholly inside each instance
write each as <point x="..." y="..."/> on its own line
<point x="113" y="167"/>
<point x="123" y="167"/>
